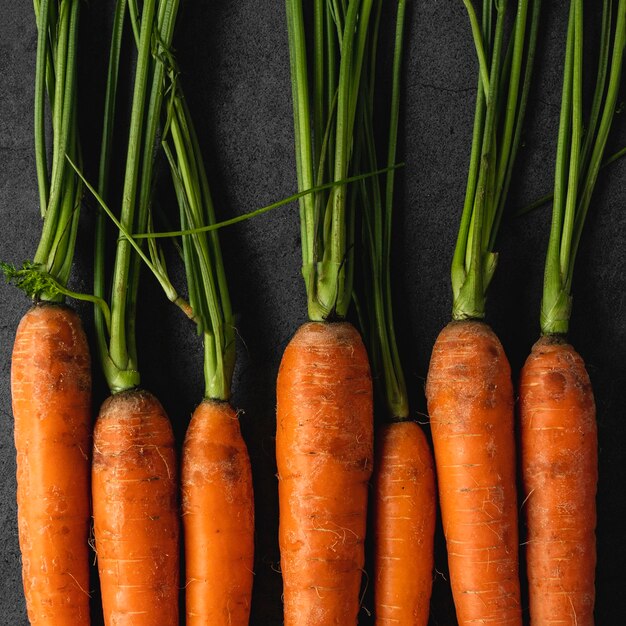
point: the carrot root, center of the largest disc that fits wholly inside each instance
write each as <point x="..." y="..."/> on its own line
<point x="560" y="474"/>
<point x="404" y="520"/>
<point x="136" y="521"/>
<point x="324" y="449"/>
<point x="470" y="401"/>
<point x="218" y="518"/>
<point x="51" y="393"/>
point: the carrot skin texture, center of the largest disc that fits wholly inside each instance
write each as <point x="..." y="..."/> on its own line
<point x="560" y="474"/>
<point x="136" y="522"/>
<point x="51" y="394"/>
<point x="324" y="450"/>
<point x="470" y="402"/>
<point x="218" y="518"/>
<point x="404" y="518"/>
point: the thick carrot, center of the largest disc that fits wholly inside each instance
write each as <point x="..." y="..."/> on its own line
<point x="218" y="518"/>
<point x="324" y="451"/>
<point x="51" y="391"/>
<point x="135" y="511"/>
<point x="560" y="473"/>
<point x="405" y="513"/>
<point x="470" y="401"/>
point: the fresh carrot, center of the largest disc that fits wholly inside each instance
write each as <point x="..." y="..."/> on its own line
<point x="134" y="473"/>
<point x="404" y="524"/>
<point x="135" y="510"/>
<point x="324" y="455"/>
<point x="51" y="391"/>
<point x="218" y="517"/>
<point x="559" y="441"/>
<point x="50" y="369"/>
<point x="404" y="499"/>
<point x="324" y="440"/>
<point x="470" y="401"/>
<point x="469" y="389"/>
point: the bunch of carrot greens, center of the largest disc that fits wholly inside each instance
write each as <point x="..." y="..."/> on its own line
<point x="559" y="447"/>
<point x="469" y="389"/>
<point x="50" y="368"/>
<point x="404" y="482"/>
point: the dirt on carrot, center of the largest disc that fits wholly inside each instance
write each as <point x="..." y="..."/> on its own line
<point x="404" y="525"/>
<point x="560" y="474"/>
<point x="470" y="401"/>
<point x="51" y="391"/>
<point x="324" y="450"/>
<point x="136" y="520"/>
<point x="218" y="518"/>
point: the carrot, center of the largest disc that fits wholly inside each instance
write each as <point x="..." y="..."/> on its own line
<point x="470" y="401"/>
<point x="218" y="517"/>
<point x="51" y="391"/>
<point x="404" y="525"/>
<point x="404" y="500"/>
<point x="560" y="473"/>
<point x="468" y="390"/>
<point x="324" y="452"/>
<point x="559" y="442"/>
<point x="136" y="527"/>
<point x="134" y="486"/>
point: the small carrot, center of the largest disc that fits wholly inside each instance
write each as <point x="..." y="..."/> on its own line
<point x="404" y="525"/>
<point x="134" y="485"/>
<point x="324" y="452"/>
<point x="51" y="391"/>
<point x="559" y="453"/>
<point x="560" y="473"/>
<point x="218" y="517"/>
<point x="470" y="401"/>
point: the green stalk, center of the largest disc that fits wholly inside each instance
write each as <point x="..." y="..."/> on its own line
<point x="576" y="174"/>
<point x="501" y="100"/>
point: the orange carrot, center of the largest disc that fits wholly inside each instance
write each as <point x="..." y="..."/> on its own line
<point x="135" y="511"/>
<point x="405" y="513"/>
<point x="218" y="517"/>
<point x="51" y="391"/>
<point x="560" y="474"/>
<point x="324" y="450"/>
<point x="470" y="401"/>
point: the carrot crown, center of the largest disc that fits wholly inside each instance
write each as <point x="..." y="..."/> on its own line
<point x="153" y="33"/>
<point x="375" y="309"/>
<point x="324" y="125"/>
<point x="578" y="160"/>
<point x="60" y="190"/>
<point x="503" y="85"/>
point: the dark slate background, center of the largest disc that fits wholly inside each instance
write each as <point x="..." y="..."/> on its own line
<point x="234" y="62"/>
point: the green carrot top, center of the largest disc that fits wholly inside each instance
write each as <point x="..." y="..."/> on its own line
<point x="503" y="85"/>
<point x="375" y="308"/>
<point x="60" y="190"/>
<point x="579" y="155"/>
<point x="324" y="126"/>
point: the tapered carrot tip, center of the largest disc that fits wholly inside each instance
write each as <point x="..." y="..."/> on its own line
<point x="405" y="514"/>
<point x="470" y="402"/>
<point x="136" y="522"/>
<point x="324" y="451"/>
<point x="560" y="475"/>
<point x="51" y="392"/>
<point x="218" y="518"/>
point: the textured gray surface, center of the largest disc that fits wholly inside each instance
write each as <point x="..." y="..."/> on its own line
<point x="234" y="62"/>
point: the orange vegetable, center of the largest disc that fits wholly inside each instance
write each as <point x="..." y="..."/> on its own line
<point x="51" y="391"/>
<point x="218" y="517"/>
<point x="470" y="401"/>
<point x="136" y="522"/>
<point x="324" y="451"/>
<point x="560" y="474"/>
<point x="405" y="514"/>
